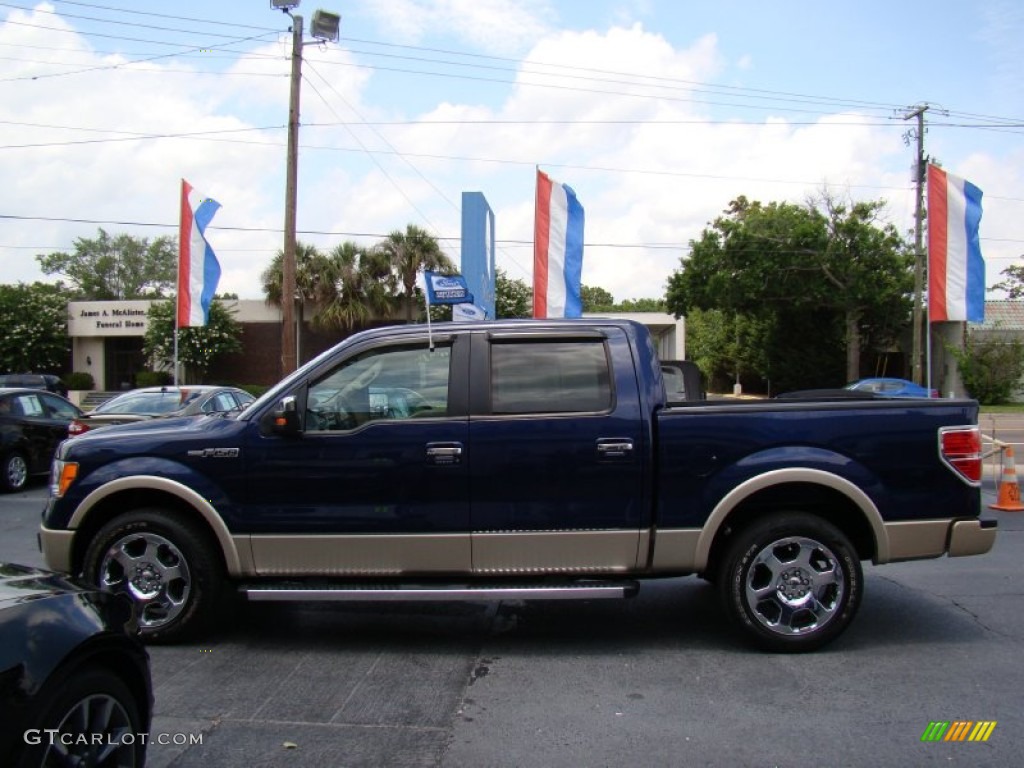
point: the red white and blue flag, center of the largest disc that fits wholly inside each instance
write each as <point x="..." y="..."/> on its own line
<point x="557" y="250"/>
<point x="198" y="268"/>
<point x="956" y="269"/>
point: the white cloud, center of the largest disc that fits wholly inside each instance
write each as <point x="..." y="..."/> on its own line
<point x="495" y="26"/>
<point x="615" y="113"/>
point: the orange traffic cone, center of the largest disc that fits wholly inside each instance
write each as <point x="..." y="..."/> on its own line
<point x="1009" y="489"/>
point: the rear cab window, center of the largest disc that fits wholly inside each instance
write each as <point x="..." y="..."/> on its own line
<point x="550" y="376"/>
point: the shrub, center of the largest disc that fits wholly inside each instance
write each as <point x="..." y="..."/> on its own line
<point x="79" y="380"/>
<point x="153" y="378"/>
<point x="991" y="370"/>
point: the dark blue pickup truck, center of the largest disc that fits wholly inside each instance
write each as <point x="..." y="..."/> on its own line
<point x="515" y="460"/>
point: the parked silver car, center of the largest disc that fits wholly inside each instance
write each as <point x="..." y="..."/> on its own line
<point x="157" y="402"/>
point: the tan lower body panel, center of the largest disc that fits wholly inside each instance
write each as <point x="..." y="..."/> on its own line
<point x="917" y="539"/>
<point x="933" y="538"/>
<point x="361" y="555"/>
<point x="506" y="552"/>
<point x="969" y="538"/>
<point x="566" y="552"/>
<point x="675" y="550"/>
<point x="56" y="549"/>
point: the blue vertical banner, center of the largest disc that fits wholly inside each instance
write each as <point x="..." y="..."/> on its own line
<point x="478" y="250"/>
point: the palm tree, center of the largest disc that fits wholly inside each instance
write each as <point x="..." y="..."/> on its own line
<point x="408" y="253"/>
<point x="352" y="290"/>
<point x="308" y="262"/>
<point x="310" y="266"/>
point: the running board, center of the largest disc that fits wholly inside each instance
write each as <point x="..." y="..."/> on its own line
<point x="420" y="592"/>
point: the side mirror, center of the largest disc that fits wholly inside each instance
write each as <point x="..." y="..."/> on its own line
<point x="284" y="420"/>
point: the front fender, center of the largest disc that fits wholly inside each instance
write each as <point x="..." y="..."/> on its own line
<point x="191" y="493"/>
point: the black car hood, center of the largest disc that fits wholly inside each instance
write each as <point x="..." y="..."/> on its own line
<point x="19" y="583"/>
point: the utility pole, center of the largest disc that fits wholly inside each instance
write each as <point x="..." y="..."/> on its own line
<point x="324" y="28"/>
<point x="919" y="174"/>
<point x="289" y="359"/>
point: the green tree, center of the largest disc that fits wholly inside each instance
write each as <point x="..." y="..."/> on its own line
<point x="641" y="305"/>
<point x="728" y="347"/>
<point x="1014" y="282"/>
<point x="826" y="259"/>
<point x="122" y="267"/>
<point x="991" y="370"/>
<point x="310" y="266"/>
<point x="512" y="298"/>
<point x="35" y="322"/>
<point x="352" y="289"/>
<point x="409" y="253"/>
<point x="595" y="299"/>
<point x="198" y="346"/>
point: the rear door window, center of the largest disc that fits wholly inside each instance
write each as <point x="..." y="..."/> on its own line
<point x="550" y="377"/>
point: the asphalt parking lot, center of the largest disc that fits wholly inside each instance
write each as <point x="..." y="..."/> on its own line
<point x="659" y="680"/>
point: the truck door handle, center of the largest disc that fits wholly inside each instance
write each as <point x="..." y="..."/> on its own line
<point x="443" y="454"/>
<point x="614" y="447"/>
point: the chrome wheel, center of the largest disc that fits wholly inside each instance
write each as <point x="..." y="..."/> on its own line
<point x="794" y="586"/>
<point x="15" y="472"/>
<point x="152" y="571"/>
<point x="96" y="731"/>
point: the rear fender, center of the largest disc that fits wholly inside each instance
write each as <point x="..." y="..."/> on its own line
<point x="776" y="477"/>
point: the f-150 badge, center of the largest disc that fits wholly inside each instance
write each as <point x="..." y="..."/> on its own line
<point x="216" y="453"/>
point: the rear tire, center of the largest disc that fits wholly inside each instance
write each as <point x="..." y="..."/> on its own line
<point x="166" y="566"/>
<point x="792" y="582"/>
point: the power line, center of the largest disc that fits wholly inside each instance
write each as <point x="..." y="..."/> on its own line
<point x="560" y="71"/>
<point x="134" y="24"/>
<point x="476" y="58"/>
<point x="518" y="67"/>
<point x="334" y="233"/>
<point x="164" y="15"/>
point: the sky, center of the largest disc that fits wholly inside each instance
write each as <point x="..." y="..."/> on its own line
<point x="657" y="113"/>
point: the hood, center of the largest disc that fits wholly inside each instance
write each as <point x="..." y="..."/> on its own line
<point x="19" y="583"/>
<point x="166" y="437"/>
<point x="150" y="426"/>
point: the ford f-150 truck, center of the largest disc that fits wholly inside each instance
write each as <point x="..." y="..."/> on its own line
<point x="515" y="460"/>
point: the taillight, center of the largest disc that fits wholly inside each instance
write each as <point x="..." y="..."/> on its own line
<point x="77" y="427"/>
<point x="960" y="448"/>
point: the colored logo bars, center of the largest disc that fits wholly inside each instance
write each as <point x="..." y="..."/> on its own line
<point x="958" y="730"/>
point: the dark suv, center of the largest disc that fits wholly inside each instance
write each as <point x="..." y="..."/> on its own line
<point x="46" y="381"/>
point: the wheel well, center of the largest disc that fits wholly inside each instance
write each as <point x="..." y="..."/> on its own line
<point x="136" y="498"/>
<point x="827" y="503"/>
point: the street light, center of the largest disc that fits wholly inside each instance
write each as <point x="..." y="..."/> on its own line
<point x="324" y="28"/>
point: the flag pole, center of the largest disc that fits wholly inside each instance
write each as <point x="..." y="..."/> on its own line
<point x="536" y="211"/>
<point x="177" y="289"/>
<point x="426" y="297"/>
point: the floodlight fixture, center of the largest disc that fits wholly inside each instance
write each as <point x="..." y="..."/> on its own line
<point x="284" y="5"/>
<point x="325" y="26"/>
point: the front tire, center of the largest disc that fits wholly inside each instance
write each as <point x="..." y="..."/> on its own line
<point x="166" y="566"/>
<point x="792" y="582"/>
<point x="89" y="718"/>
<point x="14" y="473"/>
